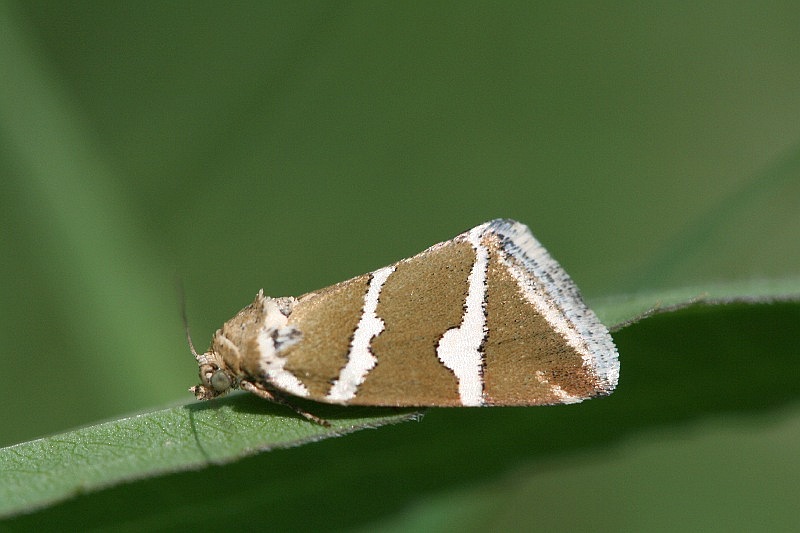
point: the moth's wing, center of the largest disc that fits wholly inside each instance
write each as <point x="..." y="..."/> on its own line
<point x="520" y="334"/>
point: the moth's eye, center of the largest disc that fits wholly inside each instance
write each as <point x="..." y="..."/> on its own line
<point x="220" y="381"/>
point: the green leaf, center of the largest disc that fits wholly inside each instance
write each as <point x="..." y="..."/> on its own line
<point x="37" y="473"/>
<point x="623" y="310"/>
<point x="191" y="436"/>
<point x="723" y="362"/>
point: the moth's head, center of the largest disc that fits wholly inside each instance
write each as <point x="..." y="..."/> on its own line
<point x="215" y="377"/>
<point x="235" y="352"/>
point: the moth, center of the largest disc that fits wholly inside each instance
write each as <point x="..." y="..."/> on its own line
<point x="485" y="318"/>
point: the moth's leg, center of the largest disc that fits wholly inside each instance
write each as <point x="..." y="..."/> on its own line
<point x="271" y="396"/>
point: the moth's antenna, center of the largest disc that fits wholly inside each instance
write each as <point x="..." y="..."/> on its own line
<point x="182" y="298"/>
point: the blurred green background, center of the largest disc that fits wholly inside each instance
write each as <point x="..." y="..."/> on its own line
<point x="293" y="145"/>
